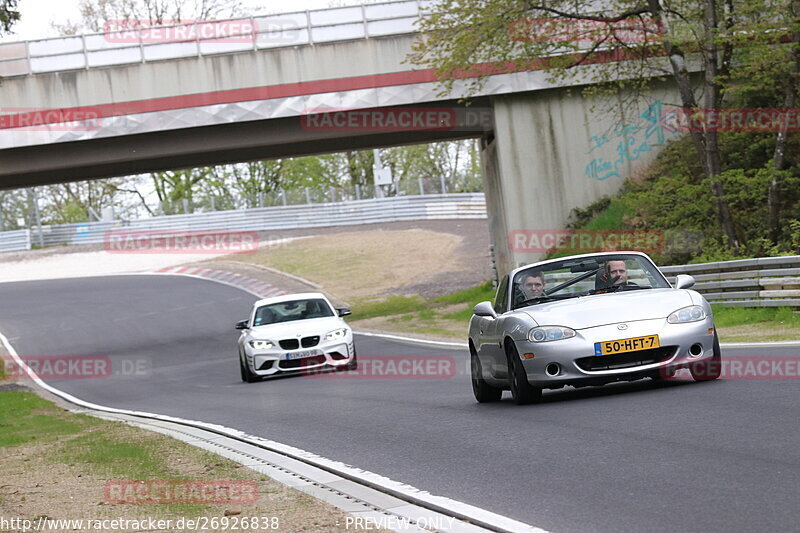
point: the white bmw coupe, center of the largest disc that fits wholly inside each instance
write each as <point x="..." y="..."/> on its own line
<point x="292" y="334"/>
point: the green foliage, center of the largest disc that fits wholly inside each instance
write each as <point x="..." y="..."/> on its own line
<point x="674" y="197"/>
<point x="473" y="295"/>
<point x="8" y="15"/>
<point x="580" y="217"/>
<point x="393" y="305"/>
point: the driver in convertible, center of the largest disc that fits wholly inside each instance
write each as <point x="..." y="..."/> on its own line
<point x="617" y="272"/>
<point x="533" y="284"/>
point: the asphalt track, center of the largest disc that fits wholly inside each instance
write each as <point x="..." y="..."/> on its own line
<point x="680" y="456"/>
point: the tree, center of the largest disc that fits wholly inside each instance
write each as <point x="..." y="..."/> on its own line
<point x="96" y="14"/>
<point x="626" y="42"/>
<point x="8" y="15"/>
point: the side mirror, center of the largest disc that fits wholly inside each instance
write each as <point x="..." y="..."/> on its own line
<point x="484" y="309"/>
<point x="684" y="281"/>
<point x="343" y="311"/>
<point x="242" y="324"/>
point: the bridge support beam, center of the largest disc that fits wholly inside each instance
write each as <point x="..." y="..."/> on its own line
<point x="554" y="151"/>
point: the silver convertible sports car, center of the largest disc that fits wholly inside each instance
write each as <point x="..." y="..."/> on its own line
<point x="589" y="320"/>
<point x="294" y="333"/>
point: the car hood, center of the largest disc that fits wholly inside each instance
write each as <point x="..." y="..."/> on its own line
<point x="600" y="309"/>
<point x="297" y="328"/>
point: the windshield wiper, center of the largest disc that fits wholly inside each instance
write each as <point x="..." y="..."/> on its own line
<point x="573" y="281"/>
<point x="542" y="299"/>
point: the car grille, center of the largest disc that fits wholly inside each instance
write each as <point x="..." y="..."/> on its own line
<point x="290" y="344"/>
<point x="300" y="363"/>
<point x="305" y="342"/>
<point x="308" y="342"/>
<point x="626" y="360"/>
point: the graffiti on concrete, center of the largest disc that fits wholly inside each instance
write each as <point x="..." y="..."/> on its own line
<point x="632" y="139"/>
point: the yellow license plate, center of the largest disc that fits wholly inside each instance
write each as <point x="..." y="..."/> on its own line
<point x="626" y="345"/>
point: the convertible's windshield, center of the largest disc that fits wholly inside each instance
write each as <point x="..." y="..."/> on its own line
<point x="575" y="277"/>
<point x="292" y="310"/>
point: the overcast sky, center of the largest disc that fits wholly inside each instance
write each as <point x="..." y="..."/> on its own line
<point x="38" y="15"/>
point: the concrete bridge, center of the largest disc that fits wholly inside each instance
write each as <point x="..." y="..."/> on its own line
<point x="130" y="101"/>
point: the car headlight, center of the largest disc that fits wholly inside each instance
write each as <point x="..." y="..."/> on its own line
<point x="693" y="313"/>
<point x="550" y="333"/>
<point x="336" y="334"/>
<point x="261" y="344"/>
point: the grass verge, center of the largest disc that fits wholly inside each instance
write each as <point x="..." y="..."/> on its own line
<point x="448" y="317"/>
<point x="754" y="324"/>
<point x="443" y="317"/>
<point x="56" y="465"/>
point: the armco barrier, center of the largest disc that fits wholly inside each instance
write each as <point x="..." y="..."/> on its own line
<point x="760" y="282"/>
<point x="11" y="241"/>
<point x="395" y="209"/>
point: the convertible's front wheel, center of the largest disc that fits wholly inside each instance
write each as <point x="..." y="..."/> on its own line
<point x="483" y="392"/>
<point x="522" y="391"/>
<point x="708" y="370"/>
<point x="247" y="375"/>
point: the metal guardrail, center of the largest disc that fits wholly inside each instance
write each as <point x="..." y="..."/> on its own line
<point x="123" y="45"/>
<point x="394" y="209"/>
<point x="11" y="241"/>
<point x="761" y="282"/>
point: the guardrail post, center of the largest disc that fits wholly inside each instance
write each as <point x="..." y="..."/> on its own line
<point x="283" y="197"/>
<point x="333" y="194"/>
<point x="38" y="217"/>
<point x="421" y="186"/>
<point x="261" y="199"/>
<point x="358" y="191"/>
<point x="85" y="52"/>
<point x="308" y="27"/>
<point x="308" y="195"/>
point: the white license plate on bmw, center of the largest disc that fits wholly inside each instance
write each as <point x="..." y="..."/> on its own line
<point x="301" y="355"/>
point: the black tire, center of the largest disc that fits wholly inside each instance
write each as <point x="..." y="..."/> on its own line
<point x="708" y="370"/>
<point x="522" y="391"/>
<point x="483" y="392"/>
<point x="247" y="375"/>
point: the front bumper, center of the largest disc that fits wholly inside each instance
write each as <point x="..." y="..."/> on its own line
<point x="575" y="363"/>
<point x="333" y="354"/>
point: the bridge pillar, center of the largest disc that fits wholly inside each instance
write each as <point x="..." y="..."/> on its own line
<point x="555" y="150"/>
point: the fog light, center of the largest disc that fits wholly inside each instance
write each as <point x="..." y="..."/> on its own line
<point x="552" y="369"/>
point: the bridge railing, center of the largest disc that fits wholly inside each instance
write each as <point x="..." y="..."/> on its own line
<point x="128" y="44"/>
<point x="395" y="209"/>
